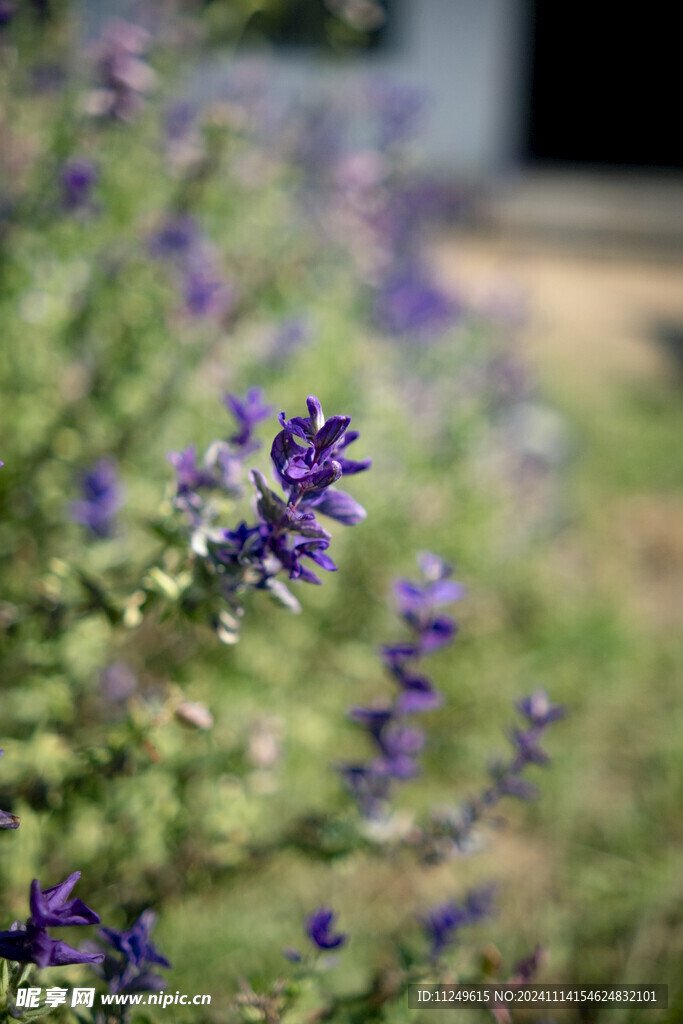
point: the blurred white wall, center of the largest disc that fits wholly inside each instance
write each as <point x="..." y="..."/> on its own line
<point x="469" y="56"/>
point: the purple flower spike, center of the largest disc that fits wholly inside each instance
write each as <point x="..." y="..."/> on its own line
<point x="443" y="922"/>
<point x="101" y="499"/>
<point x="248" y="411"/>
<point x="319" y="929"/>
<point x="77" y="179"/>
<point x="176" y="238"/>
<point x="131" y="971"/>
<point x="408" y="303"/>
<point x="538" y="710"/>
<point x="7" y="12"/>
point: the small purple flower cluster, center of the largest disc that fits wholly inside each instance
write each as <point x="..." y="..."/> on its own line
<point x="319" y="929"/>
<point x="205" y="292"/>
<point x="309" y="456"/>
<point x="450" y="831"/>
<point x="77" y="178"/>
<point x="408" y="303"/>
<point x="31" y="943"/>
<point x="443" y="922"/>
<point x="101" y="499"/>
<point x="123" y="76"/>
<point x="398" y="744"/>
<point x="131" y="970"/>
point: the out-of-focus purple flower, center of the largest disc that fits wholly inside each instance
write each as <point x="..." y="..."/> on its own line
<point x="248" y="411"/>
<point x="443" y="922"/>
<point x="507" y="775"/>
<point x="538" y="710"/>
<point x="190" y="476"/>
<point x="124" y="78"/>
<point x="176" y="238"/>
<point x="397" y="743"/>
<point x="101" y="499"/>
<point x="8" y="820"/>
<point x="291" y="954"/>
<point x="397" y="109"/>
<point x="49" y="908"/>
<point x="319" y="929"/>
<point x="526" y="970"/>
<point x="368" y="787"/>
<point x="77" y="178"/>
<point x="408" y="303"/>
<point x="178" y="120"/>
<point x="204" y="292"/>
<point x="7" y="12"/>
<point x="290" y="335"/>
<point x="117" y="682"/>
<point x="132" y="969"/>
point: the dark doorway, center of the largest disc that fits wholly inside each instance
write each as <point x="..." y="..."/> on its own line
<point x="605" y="84"/>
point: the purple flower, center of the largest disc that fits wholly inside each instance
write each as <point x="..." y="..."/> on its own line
<point x="124" y="78"/>
<point x="117" y="682"/>
<point x="248" y="411"/>
<point x="397" y="108"/>
<point x="7" y="12"/>
<point x="34" y="946"/>
<point x="409" y="303"/>
<point x="131" y="970"/>
<point x="538" y="710"/>
<point x="101" y="499"/>
<point x="49" y="908"/>
<point x="397" y="743"/>
<point x="176" y="238"/>
<point x="204" y="292"/>
<point x="307" y="469"/>
<point x="289" y="336"/>
<point x="8" y="820"/>
<point x="190" y="475"/>
<point x="444" y="921"/>
<point x="77" y="178"/>
<point x="319" y="929"/>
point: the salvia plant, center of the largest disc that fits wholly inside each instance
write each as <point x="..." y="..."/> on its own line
<point x="158" y="251"/>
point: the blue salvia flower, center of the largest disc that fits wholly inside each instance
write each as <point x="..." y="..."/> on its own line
<point x="248" y="411"/>
<point x="31" y="943"/>
<point x="77" y="179"/>
<point x="8" y="820"/>
<point x="408" y="303"/>
<point x="309" y="455"/>
<point x="7" y="12"/>
<point x="177" y="237"/>
<point x="397" y="744"/>
<point x="123" y="76"/>
<point x="132" y="970"/>
<point x="319" y="928"/>
<point x="451" y="831"/>
<point x="443" y="922"/>
<point x="397" y="110"/>
<point x="101" y="499"/>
